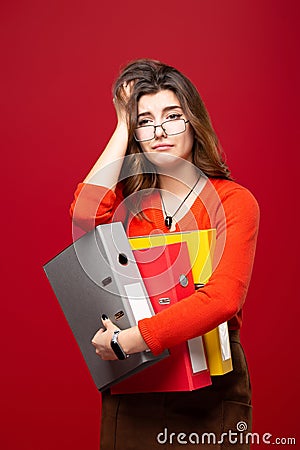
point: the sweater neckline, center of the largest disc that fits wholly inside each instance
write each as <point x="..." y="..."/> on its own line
<point x="185" y="222"/>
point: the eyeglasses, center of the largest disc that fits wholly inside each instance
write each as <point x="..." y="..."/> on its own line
<point x="169" y="127"/>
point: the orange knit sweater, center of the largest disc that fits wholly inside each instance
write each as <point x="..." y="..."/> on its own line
<point x="222" y="204"/>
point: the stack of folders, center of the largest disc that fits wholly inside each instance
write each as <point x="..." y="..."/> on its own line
<point x="166" y="271"/>
<point x="201" y="244"/>
<point x="130" y="279"/>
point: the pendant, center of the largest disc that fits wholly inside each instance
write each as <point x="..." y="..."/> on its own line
<point x="168" y="221"/>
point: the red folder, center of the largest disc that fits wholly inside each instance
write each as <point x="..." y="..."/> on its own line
<point x="166" y="271"/>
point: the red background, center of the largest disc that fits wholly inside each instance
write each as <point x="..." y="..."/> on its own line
<point x="58" y="61"/>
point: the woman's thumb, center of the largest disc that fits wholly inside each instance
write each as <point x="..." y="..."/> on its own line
<point x="106" y="321"/>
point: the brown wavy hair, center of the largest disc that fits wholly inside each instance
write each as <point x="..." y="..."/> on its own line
<point x="149" y="77"/>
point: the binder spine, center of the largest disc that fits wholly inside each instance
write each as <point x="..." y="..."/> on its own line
<point x="126" y="274"/>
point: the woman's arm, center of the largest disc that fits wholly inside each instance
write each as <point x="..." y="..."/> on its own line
<point x="96" y="199"/>
<point x="222" y="298"/>
<point x="107" y="169"/>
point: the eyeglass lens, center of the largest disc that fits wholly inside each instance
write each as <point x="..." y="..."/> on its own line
<point x="170" y="127"/>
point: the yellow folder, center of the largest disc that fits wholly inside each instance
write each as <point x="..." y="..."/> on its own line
<point x="218" y="352"/>
<point x="201" y="245"/>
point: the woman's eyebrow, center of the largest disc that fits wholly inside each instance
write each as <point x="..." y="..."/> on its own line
<point x="166" y="109"/>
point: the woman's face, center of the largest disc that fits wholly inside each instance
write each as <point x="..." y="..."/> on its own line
<point x="153" y="109"/>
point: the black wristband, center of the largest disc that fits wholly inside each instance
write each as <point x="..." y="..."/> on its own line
<point x="116" y="347"/>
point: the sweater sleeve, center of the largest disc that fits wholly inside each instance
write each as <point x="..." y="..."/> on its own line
<point x="223" y="296"/>
<point x="95" y="205"/>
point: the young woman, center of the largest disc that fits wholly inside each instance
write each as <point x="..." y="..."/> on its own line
<point x="162" y="171"/>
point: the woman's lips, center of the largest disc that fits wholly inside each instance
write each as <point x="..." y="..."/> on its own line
<point x="161" y="147"/>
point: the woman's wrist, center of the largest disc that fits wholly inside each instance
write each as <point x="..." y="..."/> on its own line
<point x="132" y="341"/>
<point x="122" y="126"/>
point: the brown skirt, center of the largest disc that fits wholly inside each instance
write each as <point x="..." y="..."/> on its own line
<point x="215" y="417"/>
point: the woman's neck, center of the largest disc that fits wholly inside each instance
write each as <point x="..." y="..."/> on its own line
<point x="180" y="181"/>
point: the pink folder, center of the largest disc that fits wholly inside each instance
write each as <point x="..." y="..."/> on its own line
<point x="167" y="275"/>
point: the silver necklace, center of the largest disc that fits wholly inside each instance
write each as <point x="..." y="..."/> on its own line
<point x="168" y="218"/>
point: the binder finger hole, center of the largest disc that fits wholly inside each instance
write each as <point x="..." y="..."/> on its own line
<point x="123" y="259"/>
<point x="119" y="315"/>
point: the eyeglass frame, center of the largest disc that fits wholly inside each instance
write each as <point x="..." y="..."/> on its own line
<point x="160" y="125"/>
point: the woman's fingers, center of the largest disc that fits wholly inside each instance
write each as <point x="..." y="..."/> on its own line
<point x="101" y="340"/>
<point x="97" y="336"/>
<point x="123" y="94"/>
<point x="127" y="87"/>
<point x="108" y="323"/>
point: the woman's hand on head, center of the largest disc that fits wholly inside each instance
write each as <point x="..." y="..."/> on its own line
<point x="121" y="99"/>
